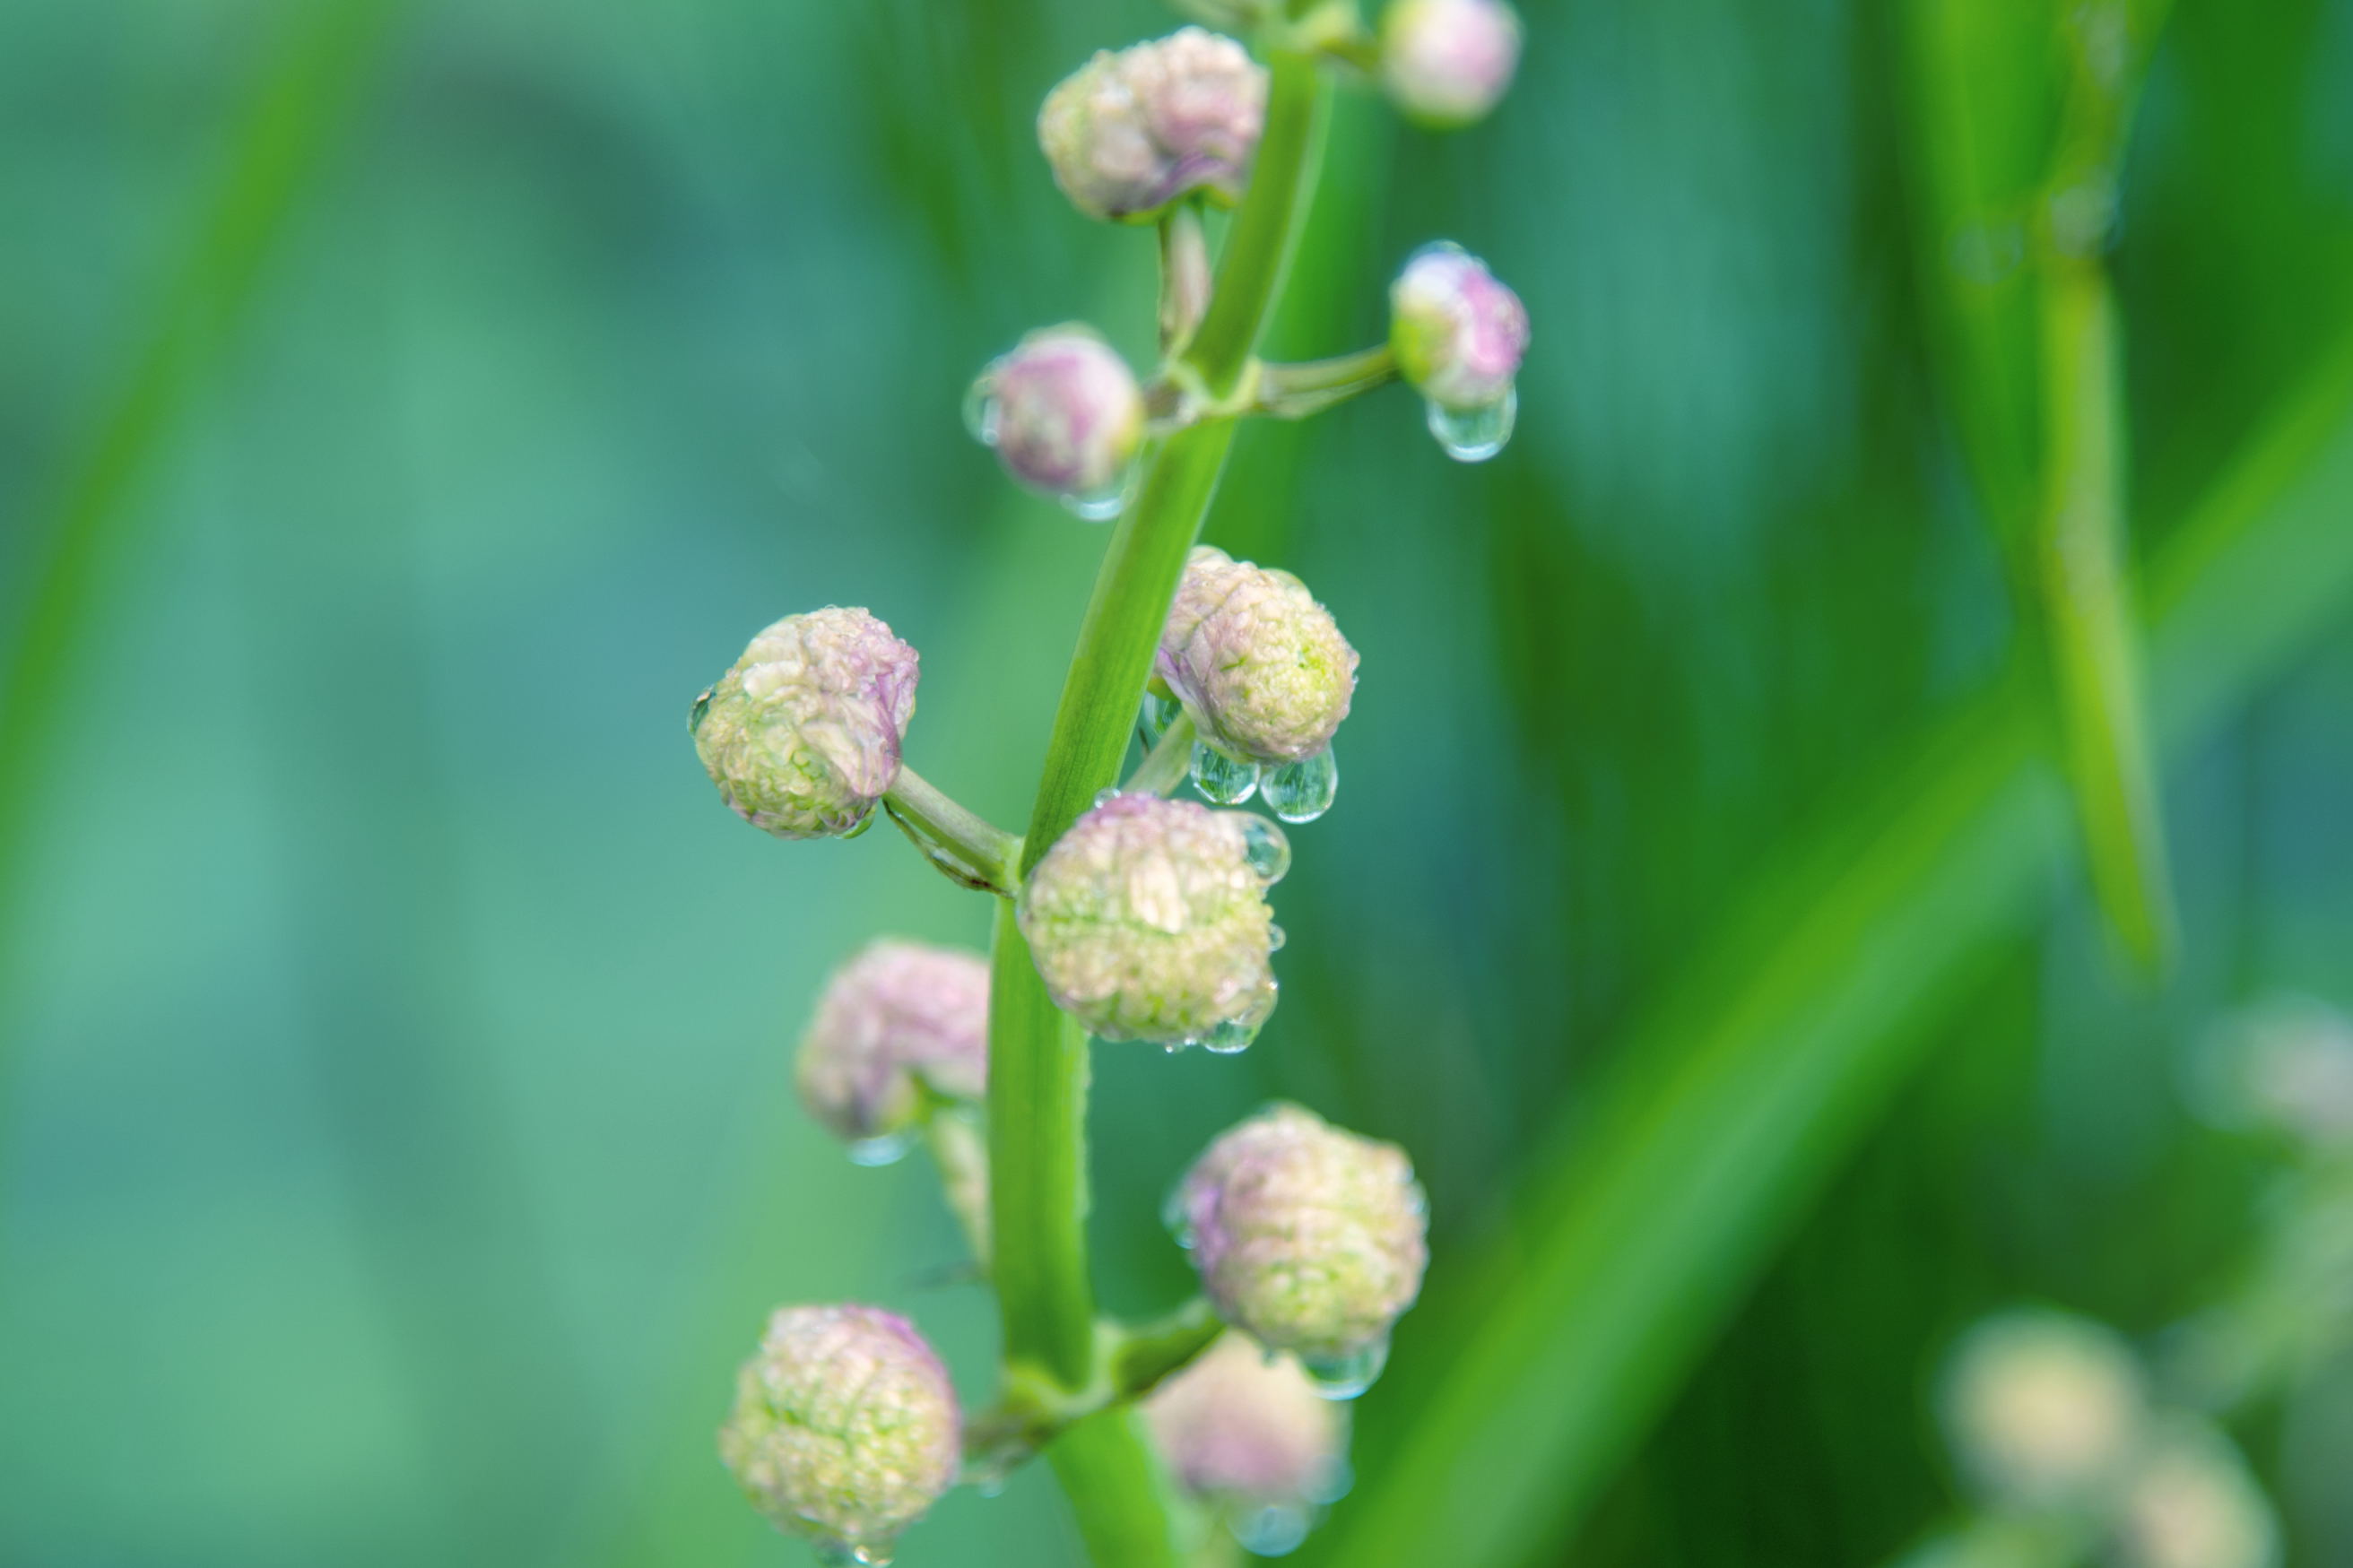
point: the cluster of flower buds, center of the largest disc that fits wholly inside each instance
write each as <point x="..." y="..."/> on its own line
<point x="900" y="1021"/>
<point x="2049" y="1416"/>
<point x="1065" y="417"/>
<point x="1307" y="1238"/>
<point x="1266" y="677"/>
<point x="1246" y="1433"/>
<point x="845" y="1428"/>
<point x="1447" y="63"/>
<point x="802" y="736"/>
<point x="1148" y="920"/>
<point x="1459" y="336"/>
<point x="1129" y="132"/>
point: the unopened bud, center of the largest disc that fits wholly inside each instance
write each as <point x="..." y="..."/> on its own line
<point x="845" y="1428"/>
<point x="1308" y="1238"/>
<point x="2042" y="1409"/>
<point x="1065" y="417"/>
<point x="1132" y="131"/>
<point x="2191" y="1503"/>
<point x="1447" y="62"/>
<point x="802" y="736"/>
<point x="1458" y="334"/>
<point x="1245" y="1426"/>
<point x="1148" y="920"/>
<point x="1258" y="663"/>
<point x="897" y="1019"/>
<point x="2285" y="1063"/>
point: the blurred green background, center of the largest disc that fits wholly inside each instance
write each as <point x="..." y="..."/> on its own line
<point x="406" y="408"/>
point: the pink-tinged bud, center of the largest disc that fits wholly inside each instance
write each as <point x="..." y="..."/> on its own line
<point x="1065" y="417"/>
<point x="899" y="1018"/>
<point x="1447" y="63"/>
<point x="1129" y="132"/>
<point x="845" y="1428"/>
<point x="802" y="736"/>
<point x="1459" y="335"/>
<point x="1148" y="920"/>
<point x="2042" y="1409"/>
<point x="1243" y="1426"/>
<point x="2191" y="1503"/>
<point x="1308" y="1238"/>
<point x="1258" y="663"/>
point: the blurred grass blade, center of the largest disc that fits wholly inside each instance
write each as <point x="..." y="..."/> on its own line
<point x="300" y="101"/>
<point x="2091" y="639"/>
<point x="1530" y="1373"/>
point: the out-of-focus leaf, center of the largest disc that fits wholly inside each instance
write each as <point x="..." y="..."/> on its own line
<point x="1654" y="1211"/>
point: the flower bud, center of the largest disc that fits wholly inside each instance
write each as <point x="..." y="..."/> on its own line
<point x="802" y="736"/>
<point x="1065" y="415"/>
<point x="1129" y="132"/>
<point x="1258" y="663"/>
<point x="1308" y="1238"/>
<point x="1458" y="334"/>
<point x="1243" y="1426"/>
<point x="845" y="1428"/>
<point x="2191" y="1504"/>
<point x="1447" y="62"/>
<point x="2042" y="1409"/>
<point x="2284" y="1063"/>
<point x="1148" y="920"/>
<point x="898" y="1018"/>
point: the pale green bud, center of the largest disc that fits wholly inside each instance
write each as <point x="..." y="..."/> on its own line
<point x="1148" y="920"/>
<point x="898" y="1018"/>
<point x="1447" y="63"/>
<point x="1308" y="1238"/>
<point x="2042" y="1409"/>
<point x="802" y="736"/>
<point x="1129" y="132"/>
<point x="845" y="1428"/>
<point x="1258" y="663"/>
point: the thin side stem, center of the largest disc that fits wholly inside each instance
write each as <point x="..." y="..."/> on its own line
<point x="1164" y="766"/>
<point x="1297" y="391"/>
<point x="966" y="845"/>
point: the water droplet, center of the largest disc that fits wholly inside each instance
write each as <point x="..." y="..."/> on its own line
<point x="1331" y="1481"/>
<point x="1232" y="1037"/>
<point x="1103" y="505"/>
<point x="694" y="714"/>
<point x="1346" y="1376"/>
<point x="1275" y="938"/>
<point x="1301" y="791"/>
<point x="1228" y="781"/>
<point x="980" y="412"/>
<point x="1475" y="435"/>
<point x="841" y="1554"/>
<point x="862" y="823"/>
<point x="1176" y="1217"/>
<point x="1266" y="849"/>
<point x="1152" y="721"/>
<point x="1105" y="796"/>
<point x="1273" y="1531"/>
<point x="886" y="1150"/>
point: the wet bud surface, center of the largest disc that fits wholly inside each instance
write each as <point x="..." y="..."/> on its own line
<point x="1132" y="131"/>
<point x="898" y="1018"/>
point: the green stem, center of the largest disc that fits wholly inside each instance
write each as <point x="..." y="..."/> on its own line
<point x="1171" y="757"/>
<point x="1038" y="1056"/>
<point x="966" y="846"/>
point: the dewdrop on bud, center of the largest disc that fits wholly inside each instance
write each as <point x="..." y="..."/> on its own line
<point x="1129" y="132"/>
<point x="1459" y="336"/>
<point x="897" y="1020"/>
<point x="1247" y="1432"/>
<point x="2191" y="1503"/>
<point x="1148" y="920"/>
<point x="2042" y="1409"/>
<point x="1065" y="417"/>
<point x="1267" y="677"/>
<point x="802" y="736"/>
<point x="1446" y="63"/>
<point x="1307" y="1238"/>
<point x="845" y="1428"/>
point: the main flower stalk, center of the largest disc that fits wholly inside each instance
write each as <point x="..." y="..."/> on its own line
<point x="1038" y="1054"/>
